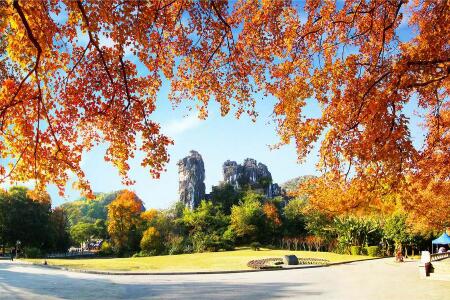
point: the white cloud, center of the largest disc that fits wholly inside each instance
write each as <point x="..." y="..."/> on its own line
<point x="179" y="126"/>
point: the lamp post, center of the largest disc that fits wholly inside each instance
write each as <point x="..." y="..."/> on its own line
<point x="17" y="246"/>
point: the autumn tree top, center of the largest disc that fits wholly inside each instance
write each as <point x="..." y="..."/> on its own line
<point x="69" y="79"/>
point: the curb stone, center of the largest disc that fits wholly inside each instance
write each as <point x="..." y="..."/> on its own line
<point x="99" y="272"/>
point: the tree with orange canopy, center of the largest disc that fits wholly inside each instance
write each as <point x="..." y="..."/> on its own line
<point x="69" y="80"/>
<point x="123" y="221"/>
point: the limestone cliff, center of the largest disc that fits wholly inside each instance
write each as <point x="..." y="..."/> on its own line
<point x="250" y="173"/>
<point x="191" y="171"/>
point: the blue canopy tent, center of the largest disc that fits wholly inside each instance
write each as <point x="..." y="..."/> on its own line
<point x="444" y="239"/>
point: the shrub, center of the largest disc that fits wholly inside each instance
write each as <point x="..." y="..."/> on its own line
<point x="230" y="235"/>
<point x="199" y="241"/>
<point x="271" y="247"/>
<point x="363" y="251"/>
<point x="227" y="245"/>
<point x="144" y="254"/>
<point x="341" y="248"/>
<point x="228" y="239"/>
<point x="151" y="241"/>
<point x="355" y="250"/>
<point x="255" y="246"/>
<point x="138" y="254"/>
<point x="176" y="244"/>
<point x="106" y="249"/>
<point x="212" y="242"/>
<point x="214" y="246"/>
<point x="373" y="251"/>
<point x="188" y="249"/>
<point x="215" y="243"/>
<point x="33" y="252"/>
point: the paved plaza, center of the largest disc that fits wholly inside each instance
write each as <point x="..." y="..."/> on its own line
<point x="376" y="279"/>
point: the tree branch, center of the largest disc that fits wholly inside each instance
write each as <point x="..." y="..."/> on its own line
<point x="125" y="80"/>
<point x="94" y="40"/>
<point x="36" y="44"/>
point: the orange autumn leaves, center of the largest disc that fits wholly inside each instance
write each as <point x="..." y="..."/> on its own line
<point x="69" y="81"/>
<point x="123" y="218"/>
<point x="426" y="206"/>
<point x="272" y="215"/>
<point x="61" y="96"/>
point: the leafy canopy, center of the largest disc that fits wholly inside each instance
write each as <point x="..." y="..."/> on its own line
<point x="124" y="217"/>
<point x="69" y="80"/>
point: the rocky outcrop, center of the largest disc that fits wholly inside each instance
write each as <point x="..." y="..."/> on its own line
<point x="232" y="173"/>
<point x="274" y="190"/>
<point x="250" y="173"/>
<point x="191" y="172"/>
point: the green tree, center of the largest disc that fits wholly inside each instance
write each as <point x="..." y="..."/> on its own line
<point x="318" y="224"/>
<point x="60" y="230"/>
<point x="397" y="230"/>
<point x="355" y="231"/>
<point x="89" y="210"/>
<point x="24" y="219"/>
<point x="250" y="195"/>
<point x="151" y="242"/>
<point x="207" y="225"/>
<point x="82" y="232"/>
<point x="248" y="217"/>
<point x="169" y="223"/>
<point x="294" y="222"/>
<point x="100" y="229"/>
<point x="226" y="196"/>
<point x="4" y="218"/>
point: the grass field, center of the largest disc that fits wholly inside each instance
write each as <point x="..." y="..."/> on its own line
<point x="210" y="261"/>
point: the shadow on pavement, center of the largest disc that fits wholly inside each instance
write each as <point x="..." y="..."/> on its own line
<point x="32" y="282"/>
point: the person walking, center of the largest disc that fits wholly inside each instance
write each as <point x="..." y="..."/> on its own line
<point x="12" y="254"/>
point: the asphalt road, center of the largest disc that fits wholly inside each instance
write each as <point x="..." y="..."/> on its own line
<point x="376" y="279"/>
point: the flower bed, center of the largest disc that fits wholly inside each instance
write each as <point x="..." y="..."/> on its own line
<point x="312" y="261"/>
<point x="266" y="263"/>
<point x="276" y="263"/>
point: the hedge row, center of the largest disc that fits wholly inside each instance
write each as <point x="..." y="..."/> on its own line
<point x="312" y="261"/>
<point x="370" y="250"/>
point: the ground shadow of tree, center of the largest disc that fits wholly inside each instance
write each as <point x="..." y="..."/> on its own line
<point x="35" y="282"/>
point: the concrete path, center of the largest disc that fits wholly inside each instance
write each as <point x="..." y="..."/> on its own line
<point x="376" y="279"/>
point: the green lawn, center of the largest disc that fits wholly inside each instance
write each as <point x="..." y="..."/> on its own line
<point x="211" y="261"/>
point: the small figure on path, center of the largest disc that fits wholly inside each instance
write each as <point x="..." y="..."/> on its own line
<point x="12" y="254"/>
<point x="399" y="255"/>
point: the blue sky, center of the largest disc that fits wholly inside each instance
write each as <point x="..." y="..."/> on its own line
<point x="217" y="139"/>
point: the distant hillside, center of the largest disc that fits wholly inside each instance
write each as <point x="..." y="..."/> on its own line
<point x="83" y="210"/>
<point x="291" y="185"/>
